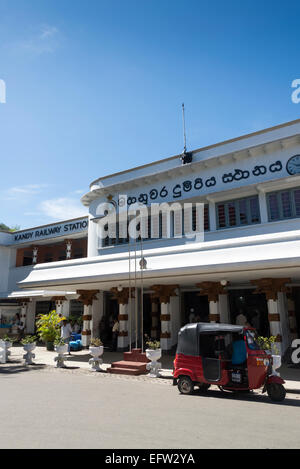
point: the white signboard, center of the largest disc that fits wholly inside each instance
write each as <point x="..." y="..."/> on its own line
<point x="51" y="231"/>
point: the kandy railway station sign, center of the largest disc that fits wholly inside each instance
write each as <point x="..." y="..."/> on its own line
<point x="51" y="231"/>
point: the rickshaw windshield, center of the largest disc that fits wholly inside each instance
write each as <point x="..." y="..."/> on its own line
<point x="252" y="343"/>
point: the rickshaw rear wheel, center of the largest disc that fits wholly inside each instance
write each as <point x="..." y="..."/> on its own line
<point x="276" y="392"/>
<point x="185" y="385"/>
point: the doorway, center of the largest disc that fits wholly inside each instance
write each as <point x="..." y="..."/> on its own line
<point x="195" y="308"/>
<point x="253" y="306"/>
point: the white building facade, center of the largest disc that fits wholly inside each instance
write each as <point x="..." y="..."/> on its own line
<point x="246" y="261"/>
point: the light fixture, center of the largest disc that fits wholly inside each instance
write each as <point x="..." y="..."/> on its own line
<point x="223" y="283"/>
<point x="119" y="288"/>
<point x="143" y="263"/>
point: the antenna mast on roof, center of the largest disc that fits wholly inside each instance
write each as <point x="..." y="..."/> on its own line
<point x="186" y="157"/>
<point x="184" y="134"/>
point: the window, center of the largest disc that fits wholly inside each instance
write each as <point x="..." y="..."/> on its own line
<point x="158" y="227"/>
<point x="283" y="204"/>
<point x="238" y="212"/>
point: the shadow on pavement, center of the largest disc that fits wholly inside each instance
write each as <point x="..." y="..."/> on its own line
<point x="9" y="369"/>
<point x="249" y="397"/>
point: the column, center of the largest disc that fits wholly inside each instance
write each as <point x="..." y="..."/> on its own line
<point x="87" y="297"/>
<point x="23" y="313"/>
<point x="164" y="293"/>
<point x="59" y="301"/>
<point x="272" y="287"/>
<point x="68" y="248"/>
<point x="212" y="290"/>
<point x="35" y="251"/>
<point x="122" y="296"/>
<point x="154" y="318"/>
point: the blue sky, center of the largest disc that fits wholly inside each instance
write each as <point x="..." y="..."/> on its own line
<point x="95" y="87"/>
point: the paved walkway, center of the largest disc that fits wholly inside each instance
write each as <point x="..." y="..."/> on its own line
<point x="80" y="360"/>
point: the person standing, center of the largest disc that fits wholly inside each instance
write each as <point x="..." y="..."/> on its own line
<point x="115" y="333"/>
<point x="66" y="332"/>
<point x="241" y="319"/>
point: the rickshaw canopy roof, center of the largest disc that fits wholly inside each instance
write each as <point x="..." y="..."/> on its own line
<point x="189" y="336"/>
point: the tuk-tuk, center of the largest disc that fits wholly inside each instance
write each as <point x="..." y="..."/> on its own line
<point x="227" y="356"/>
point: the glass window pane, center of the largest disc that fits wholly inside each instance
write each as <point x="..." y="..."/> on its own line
<point x="254" y="210"/>
<point x="231" y="214"/>
<point x="221" y="216"/>
<point x="297" y="201"/>
<point x="273" y="207"/>
<point x="243" y="212"/>
<point x="286" y="204"/>
<point x="206" y="218"/>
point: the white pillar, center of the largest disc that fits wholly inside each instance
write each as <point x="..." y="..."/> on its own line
<point x="24" y="307"/>
<point x="86" y="326"/>
<point x="123" y="340"/>
<point x="214" y="311"/>
<point x="92" y="250"/>
<point x="275" y="325"/>
<point x="66" y="308"/>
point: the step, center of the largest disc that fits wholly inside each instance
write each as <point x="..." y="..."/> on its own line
<point x="125" y="371"/>
<point x="128" y="364"/>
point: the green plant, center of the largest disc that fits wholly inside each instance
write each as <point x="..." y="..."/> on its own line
<point x="59" y="341"/>
<point x="152" y="344"/>
<point x="29" y="339"/>
<point x="267" y="343"/>
<point x="48" y="326"/>
<point x="96" y="342"/>
<point x="6" y="338"/>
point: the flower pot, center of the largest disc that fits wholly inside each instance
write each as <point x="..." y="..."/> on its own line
<point x="154" y="366"/>
<point x="96" y="352"/>
<point x="276" y="364"/>
<point x="50" y="346"/>
<point x="29" y="347"/>
<point x="153" y="355"/>
<point x="61" y="349"/>
<point x="5" y="345"/>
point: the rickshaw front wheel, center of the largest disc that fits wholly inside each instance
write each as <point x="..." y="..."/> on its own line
<point x="276" y="392"/>
<point x="185" y="385"/>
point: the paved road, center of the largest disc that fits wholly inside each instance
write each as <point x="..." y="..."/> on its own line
<point x="52" y="408"/>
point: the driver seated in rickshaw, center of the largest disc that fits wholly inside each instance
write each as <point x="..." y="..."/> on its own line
<point x="239" y="353"/>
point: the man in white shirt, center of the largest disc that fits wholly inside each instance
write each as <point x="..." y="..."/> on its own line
<point x="241" y="319"/>
<point x="65" y="333"/>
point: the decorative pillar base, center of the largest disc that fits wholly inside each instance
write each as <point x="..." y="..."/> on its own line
<point x="95" y="363"/>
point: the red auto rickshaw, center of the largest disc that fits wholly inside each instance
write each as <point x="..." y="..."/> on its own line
<point x="224" y="355"/>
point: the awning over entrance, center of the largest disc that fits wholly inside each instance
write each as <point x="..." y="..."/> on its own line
<point x="41" y="294"/>
<point x="236" y="260"/>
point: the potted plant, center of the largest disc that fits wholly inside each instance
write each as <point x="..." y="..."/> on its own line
<point x="5" y="344"/>
<point x="153" y="353"/>
<point x="96" y="347"/>
<point x="29" y="344"/>
<point x="48" y="326"/>
<point x="61" y="348"/>
<point x="268" y="344"/>
<point x="96" y="350"/>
